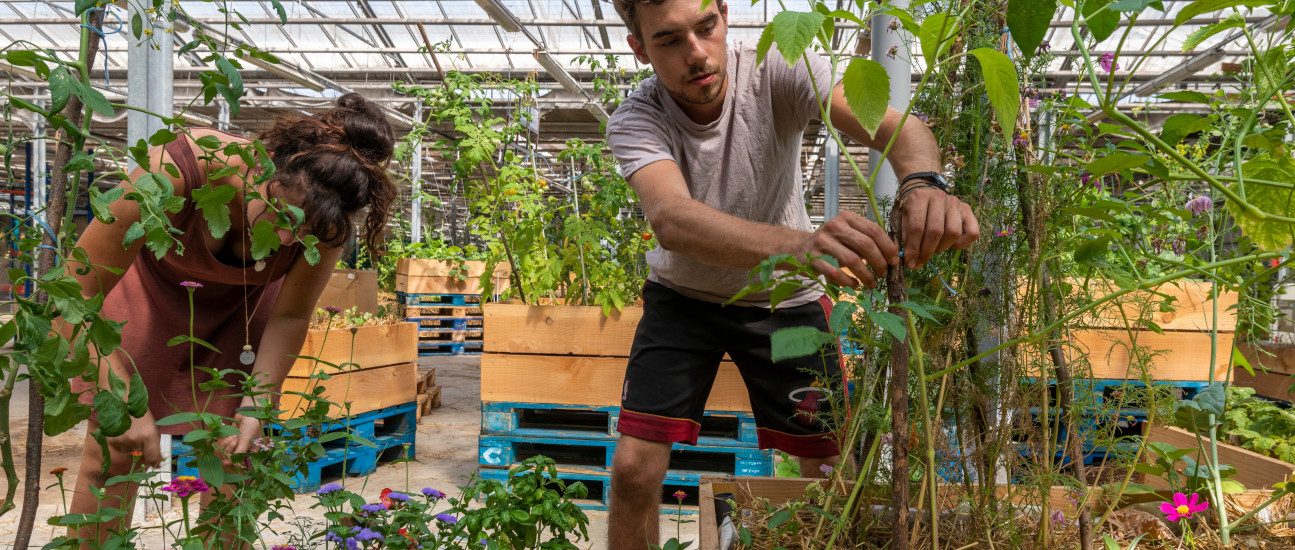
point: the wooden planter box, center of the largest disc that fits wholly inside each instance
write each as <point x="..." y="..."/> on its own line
<point x="384" y="373"/>
<point x="1274" y="366"/>
<point x="419" y="276"/>
<point x="349" y="288"/>
<point x="1108" y="336"/>
<point x="572" y="355"/>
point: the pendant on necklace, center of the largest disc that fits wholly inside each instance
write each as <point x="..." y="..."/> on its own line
<point x="259" y="265"/>
<point x="248" y="356"/>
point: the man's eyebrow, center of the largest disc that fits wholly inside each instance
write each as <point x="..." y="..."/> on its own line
<point x="664" y="33"/>
<point x="705" y="21"/>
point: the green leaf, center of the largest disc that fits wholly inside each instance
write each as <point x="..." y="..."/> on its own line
<point x="265" y="239"/>
<point x="1240" y="360"/>
<point x="842" y="316"/>
<point x="1092" y="250"/>
<point x="310" y="249"/>
<point x="60" y="89"/>
<point x="867" y="91"/>
<point x="1181" y="125"/>
<point x="95" y="100"/>
<point x="779" y="518"/>
<point x="113" y="417"/>
<point x="213" y="201"/>
<point x="211" y="469"/>
<point x="106" y="335"/>
<point x="1207" y="6"/>
<point x="1266" y="234"/>
<point x="1002" y="85"/>
<point x="72" y="415"/>
<point x="1185" y="96"/>
<point x="793" y="31"/>
<point x="161" y="137"/>
<point x="137" y="26"/>
<point x="889" y="322"/>
<point x="137" y="396"/>
<point x="937" y="32"/>
<point x="80" y="162"/>
<point x="1028" y="21"/>
<point x="228" y="69"/>
<point x="796" y="342"/>
<point x="278" y="10"/>
<point x="82" y="5"/>
<point x="1115" y="162"/>
<point x="1102" y="24"/>
<point x="1132" y="6"/>
<point x="1194" y="39"/>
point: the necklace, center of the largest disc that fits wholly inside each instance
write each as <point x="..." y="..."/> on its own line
<point x="248" y="357"/>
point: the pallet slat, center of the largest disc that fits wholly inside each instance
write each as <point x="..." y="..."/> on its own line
<point x="497" y="451"/>
<point x="560" y="330"/>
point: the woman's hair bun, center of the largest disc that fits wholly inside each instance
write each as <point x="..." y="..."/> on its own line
<point x="365" y="127"/>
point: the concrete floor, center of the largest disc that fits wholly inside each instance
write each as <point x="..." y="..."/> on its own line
<point x="446" y="458"/>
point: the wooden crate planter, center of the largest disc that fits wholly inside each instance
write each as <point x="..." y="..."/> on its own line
<point x="572" y="355"/>
<point x="384" y="373"/>
<point x="420" y="276"/>
<point x="347" y="288"/>
<point x="1273" y="364"/>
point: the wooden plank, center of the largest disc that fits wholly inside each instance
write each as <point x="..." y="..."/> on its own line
<point x="374" y="346"/>
<point x="593" y="381"/>
<point x="1272" y="385"/>
<point x="707" y="522"/>
<point x="560" y="330"/>
<point x="443" y="285"/>
<point x="1180" y="356"/>
<point x="1274" y="358"/>
<point x="1254" y="470"/>
<point x="1190" y="307"/>
<point x="349" y="288"/>
<point x="366" y="389"/>
<point x="423" y="267"/>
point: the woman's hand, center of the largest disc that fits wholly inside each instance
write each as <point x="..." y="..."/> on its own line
<point x="141" y="436"/>
<point x="249" y="429"/>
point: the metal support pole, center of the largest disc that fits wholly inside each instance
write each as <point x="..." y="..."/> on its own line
<point x="416" y="181"/>
<point x="831" y="178"/>
<point x="149" y="73"/>
<point x="889" y="49"/>
<point x="222" y="116"/>
<point x="39" y="196"/>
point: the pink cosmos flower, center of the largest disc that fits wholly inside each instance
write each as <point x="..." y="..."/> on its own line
<point x="190" y="284"/>
<point x="1107" y="61"/>
<point x="1005" y="232"/>
<point x="185" y="486"/>
<point x="1200" y="204"/>
<point x="1183" y="507"/>
<point x="680" y="495"/>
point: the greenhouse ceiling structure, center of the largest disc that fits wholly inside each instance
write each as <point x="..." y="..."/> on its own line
<point x="328" y="47"/>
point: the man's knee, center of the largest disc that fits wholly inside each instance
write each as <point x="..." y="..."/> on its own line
<point x="639" y="465"/>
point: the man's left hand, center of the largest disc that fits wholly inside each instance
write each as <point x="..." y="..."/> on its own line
<point x="935" y="221"/>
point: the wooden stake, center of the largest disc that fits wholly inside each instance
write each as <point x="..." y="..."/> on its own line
<point x="895" y="293"/>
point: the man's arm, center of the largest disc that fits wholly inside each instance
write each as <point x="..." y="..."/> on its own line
<point x="934" y="221"/>
<point x="688" y="226"/>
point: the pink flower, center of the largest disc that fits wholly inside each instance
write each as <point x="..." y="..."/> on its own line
<point x="679" y="495"/>
<point x="1274" y="262"/>
<point x="190" y="284"/>
<point x="333" y="310"/>
<point x="1107" y="61"/>
<point x="185" y="486"/>
<point x="1200" y="204"/>
<point x="1182" y="507"/>
<point x="1005" y="232"/>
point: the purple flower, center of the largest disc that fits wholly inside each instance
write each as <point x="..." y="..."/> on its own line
<point x="184" y="486"/>
<point x="283" y="547"/>
<point x="1021" y="140"/>
<point x="1058" y="518"/>
<point x="1183" y="507"/>
<point x="373" y="508"/>
<point x="333" y="310"/>
<point x="1045" y="46"/>
<point x="432" y="493"/>
<point x="447" y="518"/>
<point x="1107" y="61"/>
<point x="352" y="544"/>
<point x="1179" y="246"/>
<point x="330" y="488"/>
<point x="826" y="469"/>
<point x="1005" y="232"/>
<point x="367" y="534"/>
<point x="922" y="117"/>
<point x="333" y="537"/>
<point x="1034" y="102"/>
<point x="398" y="497"/>
<point x="1200" y="204"/>
<point x="1084" y="178"/>
<point x="190" y="284"/>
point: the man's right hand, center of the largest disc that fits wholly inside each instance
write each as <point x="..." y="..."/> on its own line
<point x="141" y="436"/>
<point x="857" y="243"/>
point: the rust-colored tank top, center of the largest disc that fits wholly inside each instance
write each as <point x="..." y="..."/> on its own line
<point x="155" y="307"/>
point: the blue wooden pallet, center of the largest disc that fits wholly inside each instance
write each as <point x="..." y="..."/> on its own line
<point x="599" y="485"/>
<point x="448" y="323"/>
<point x="719" y="428"/>
<point x="387" y="434"/>
<point x="449" y="348"/>
<point x="438" y="299"/>
<point x="498" y="451"/>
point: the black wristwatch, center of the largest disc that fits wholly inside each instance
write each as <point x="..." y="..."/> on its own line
<point x="933" y="178"/>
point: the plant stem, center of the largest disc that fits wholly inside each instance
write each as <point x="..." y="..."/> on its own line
<point x="899" y="357"/>
<point x="6" y="444"/>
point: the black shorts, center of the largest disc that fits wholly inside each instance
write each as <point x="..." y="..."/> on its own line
<point x="676" y="356"/>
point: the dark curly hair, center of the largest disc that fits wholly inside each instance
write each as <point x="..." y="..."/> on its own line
<point x="337" y="161"/>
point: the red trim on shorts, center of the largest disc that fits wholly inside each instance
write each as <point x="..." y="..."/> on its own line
<point x="658" y="428"/>
<point x="804" y="446"/>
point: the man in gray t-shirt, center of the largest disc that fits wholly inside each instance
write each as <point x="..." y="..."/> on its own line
<point x="711" y="145"/>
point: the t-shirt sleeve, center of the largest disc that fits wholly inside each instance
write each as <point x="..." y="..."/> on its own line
<point x="794" y="87"/>
<point x="636" y="140"/>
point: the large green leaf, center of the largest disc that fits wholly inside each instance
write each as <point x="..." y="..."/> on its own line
<point x="114" y="420"/>
<point x="1002" y="84"/>
<point x="937" y="32"/>
<point x="1206" y="6"/>
<point x="1114" y="162"/>
<point x="213" y="201"/>
<point x="1194" y="39"/>
<point x="1101" y="24"/>
<point x="60" y="89"/>
<point x="795" y="342"/>
<point x="867" y="91"/>
<point x="1181" y="125"/>
<point x="265" y="239"/>
<point x="310" y="249"/>
<point x="137" y="396"/>
<point x="93" y="99"/>
<point x="890" y="323"/>
<point x="1028" y="21"/>
<point x="1267" y="234"/>
<point x="793" y="31"/>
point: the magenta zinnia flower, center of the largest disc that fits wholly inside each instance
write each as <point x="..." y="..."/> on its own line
<point x="1107" y="61"/>
<point x="1183" y="507"/>
<point x="1200" y="204"/>
<point x="185" y="486"/>
<point x="190" y="284"/>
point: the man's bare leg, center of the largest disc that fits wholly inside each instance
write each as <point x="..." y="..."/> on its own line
<point x="638" y="468"/>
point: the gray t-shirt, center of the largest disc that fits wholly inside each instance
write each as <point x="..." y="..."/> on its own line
<point x="746" y="163"/>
